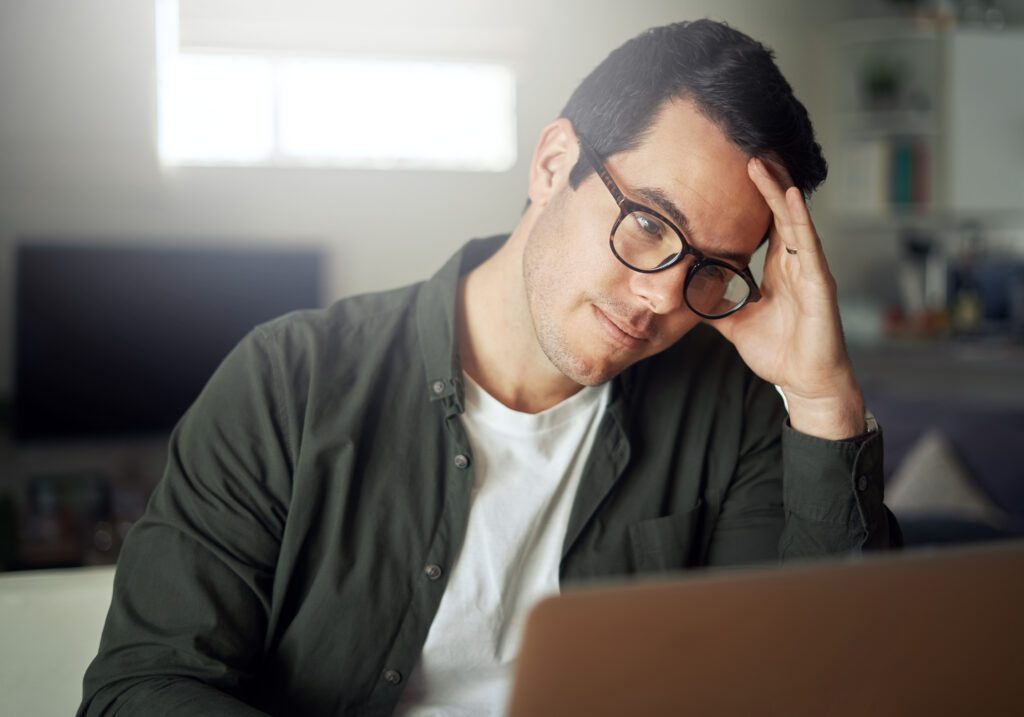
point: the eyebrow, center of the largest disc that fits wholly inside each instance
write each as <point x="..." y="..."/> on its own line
<point x="660" y="198"/>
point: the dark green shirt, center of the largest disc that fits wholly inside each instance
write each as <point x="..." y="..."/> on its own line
<point x="317" y="493"/>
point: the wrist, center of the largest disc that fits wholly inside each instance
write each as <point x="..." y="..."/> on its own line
<point x="835" y="417"/>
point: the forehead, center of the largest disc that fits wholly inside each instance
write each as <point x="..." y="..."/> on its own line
<point x="689" y="160"/>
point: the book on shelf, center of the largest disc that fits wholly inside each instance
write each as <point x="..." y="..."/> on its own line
<point x="880" y="175"/>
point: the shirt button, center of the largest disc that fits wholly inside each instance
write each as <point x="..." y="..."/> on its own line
<point x="462" y="461"/>
<point x="433" y="572"/>
<point x="862" y="483"/>
<point x="437" y="387"/>
<point x="392" y="677"/>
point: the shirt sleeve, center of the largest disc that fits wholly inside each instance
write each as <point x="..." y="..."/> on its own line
<point x="795" y="496"/>
<point x="186" y="627"/>
<point x="833" y="494"/>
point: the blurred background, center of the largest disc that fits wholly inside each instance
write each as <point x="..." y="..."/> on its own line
<point x="173" y="172"/>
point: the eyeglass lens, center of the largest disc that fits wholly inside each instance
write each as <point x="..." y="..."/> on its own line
<point x="645" y="242"/>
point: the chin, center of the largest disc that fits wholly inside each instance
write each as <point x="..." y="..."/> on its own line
<point x="594" y="378"/>
<point x="587" y="371"/>
<point x="585" y="359"/>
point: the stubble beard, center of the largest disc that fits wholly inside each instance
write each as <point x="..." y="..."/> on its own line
<point x="542" y="282"/>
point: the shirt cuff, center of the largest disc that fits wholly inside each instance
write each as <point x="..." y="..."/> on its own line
<point x="838" y="482"/>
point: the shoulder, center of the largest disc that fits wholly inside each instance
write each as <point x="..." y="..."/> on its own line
<point x="342" y="342"/>
<point x="318" y="330"/>
<point x="332" y="361"/>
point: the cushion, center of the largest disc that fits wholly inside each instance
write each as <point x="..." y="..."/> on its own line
<point x="933" y="482"/>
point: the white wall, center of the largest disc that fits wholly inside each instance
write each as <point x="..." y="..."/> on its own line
<point x="77" y="127"/>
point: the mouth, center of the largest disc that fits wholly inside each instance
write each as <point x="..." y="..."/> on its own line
<point x="621" y="332"/>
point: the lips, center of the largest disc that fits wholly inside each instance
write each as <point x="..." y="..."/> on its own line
<point x="623" y="332"/>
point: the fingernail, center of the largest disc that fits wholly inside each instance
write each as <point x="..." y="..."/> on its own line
<point x="759" y="166"/>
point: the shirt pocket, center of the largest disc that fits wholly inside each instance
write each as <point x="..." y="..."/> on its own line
<point x="665" y="543"/>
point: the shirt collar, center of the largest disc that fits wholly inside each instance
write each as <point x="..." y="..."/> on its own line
<point x="435" y="321"/>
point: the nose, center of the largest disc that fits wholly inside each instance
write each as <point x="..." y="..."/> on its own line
<point x="662" y="292"/>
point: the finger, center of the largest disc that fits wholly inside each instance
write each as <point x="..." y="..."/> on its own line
<point x="794" y="224"/>
<point x="804" y="235"/>
<point x="774" y="195"/>
<point x="779" y="171"/>
<point x="800" y="220"/>
<point x="769" y="187"/>
<point x="779" y="266"/>
<point x="775" y="245"/>
<point x="775" y="259"/>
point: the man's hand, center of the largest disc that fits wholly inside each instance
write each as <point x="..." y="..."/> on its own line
<point x="793" y="336"/>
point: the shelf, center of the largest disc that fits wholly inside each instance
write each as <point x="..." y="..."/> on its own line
<point x="912" y="216"/>
<point x="886" y="30"/>
<point x="984" y="373"/>
<point x="887" y="123"/>
<point x="926" y="120"/>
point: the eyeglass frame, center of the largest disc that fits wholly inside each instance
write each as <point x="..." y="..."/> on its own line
<point x="627" y="206"/>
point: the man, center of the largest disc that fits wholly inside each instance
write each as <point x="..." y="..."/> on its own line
<point x="364" y="502"/>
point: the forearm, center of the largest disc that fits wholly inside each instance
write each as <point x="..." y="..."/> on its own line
<point x="188" y="617"/>
<point x="836" y="416"/>
<point x="171" y="695"/>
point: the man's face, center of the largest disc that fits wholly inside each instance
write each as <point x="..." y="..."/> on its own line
<point x="593" y="316"/>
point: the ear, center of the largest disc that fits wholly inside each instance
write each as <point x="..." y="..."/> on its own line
<point x="556" y="154"/>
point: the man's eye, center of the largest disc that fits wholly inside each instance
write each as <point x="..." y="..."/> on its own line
<point x="712" y="272"/>
<point x="649" y="225"/>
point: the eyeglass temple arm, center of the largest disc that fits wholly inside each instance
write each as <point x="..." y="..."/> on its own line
<point x="598" y="165"/>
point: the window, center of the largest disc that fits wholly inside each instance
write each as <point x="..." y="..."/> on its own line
<point x="234" y="108"/>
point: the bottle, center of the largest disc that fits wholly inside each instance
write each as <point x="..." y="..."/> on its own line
<point x="967" y="306"/>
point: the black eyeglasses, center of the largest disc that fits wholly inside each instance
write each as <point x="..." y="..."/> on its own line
<point x="647" y="242"/>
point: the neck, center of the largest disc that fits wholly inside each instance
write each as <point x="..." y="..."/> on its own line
<point x="497" y="342"/>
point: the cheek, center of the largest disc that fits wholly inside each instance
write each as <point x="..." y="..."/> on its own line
<point x="588" y="225"/>
<point x="587" y="269"/>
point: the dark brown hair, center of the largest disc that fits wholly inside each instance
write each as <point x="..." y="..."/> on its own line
<point x="730" y="77"/>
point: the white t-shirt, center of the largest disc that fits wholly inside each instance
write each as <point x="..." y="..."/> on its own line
<point x="527" y="468"/>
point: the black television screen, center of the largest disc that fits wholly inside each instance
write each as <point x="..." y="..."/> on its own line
<point x="117" y="340"/>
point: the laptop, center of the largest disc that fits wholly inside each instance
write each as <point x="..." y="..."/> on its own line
<point x="919" y="632"/>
